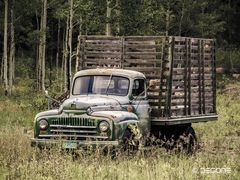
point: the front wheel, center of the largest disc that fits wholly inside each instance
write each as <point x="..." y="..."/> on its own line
<point x="130" y="142"/>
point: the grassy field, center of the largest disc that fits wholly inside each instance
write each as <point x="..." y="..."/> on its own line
<point x="219" y="148"/>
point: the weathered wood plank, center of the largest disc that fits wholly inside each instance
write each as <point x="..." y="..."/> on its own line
<point x="142" y="46"/>
<point x="102" y="49"/>
<point x="142" y="53"/>
<point x="145" y="38"/>
<point x="103" y="55"/>
<point x="142" y="62"/>
<point x="102" y="52"/>
<point x="101" y="37"/>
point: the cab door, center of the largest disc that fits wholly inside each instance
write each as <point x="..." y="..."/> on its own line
<point x="141" y="104"/>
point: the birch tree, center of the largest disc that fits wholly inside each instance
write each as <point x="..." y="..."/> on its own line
<point x="5" y="54"/>
<point x="42" y="47"/>
<point x="44" y="28"/>
<point x="81" y="14"/>
<point x="70" y="43"/>
<point x="8" y="47"/>
<point x="12" y="49"/>
<point x="79" y="44"/>
<point x="58" y="47"/>
<point x="108" y="25"/>
<point x="65" y="54"/>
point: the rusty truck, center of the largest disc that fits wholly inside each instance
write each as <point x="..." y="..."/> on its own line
<point x="132" y="87"/>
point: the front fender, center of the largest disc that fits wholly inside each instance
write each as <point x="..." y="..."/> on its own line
<point x="122" y="120"/>
<point x="53" y="112"/>
<point x="121" y="127"/>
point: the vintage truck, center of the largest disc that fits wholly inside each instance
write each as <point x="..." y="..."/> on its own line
<point x="128" y="88"/>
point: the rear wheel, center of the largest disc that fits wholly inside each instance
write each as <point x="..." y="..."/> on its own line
<point x="187" y="141"/>
<point x="181" y="138"/>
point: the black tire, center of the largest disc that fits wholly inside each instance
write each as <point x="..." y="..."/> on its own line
<point x="129" y="143"/>
<point x="187" y="141"/>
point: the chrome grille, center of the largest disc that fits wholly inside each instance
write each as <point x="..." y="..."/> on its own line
<point x="73" y="128"/>
<point x="74" y="121"/>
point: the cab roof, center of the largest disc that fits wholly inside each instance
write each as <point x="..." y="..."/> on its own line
<point x="109" y="71"/>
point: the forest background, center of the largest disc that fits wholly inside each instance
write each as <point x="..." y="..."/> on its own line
<point x="39" y="39"/>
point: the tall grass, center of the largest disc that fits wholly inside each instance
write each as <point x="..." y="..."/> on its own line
<point x="219" y="148"/>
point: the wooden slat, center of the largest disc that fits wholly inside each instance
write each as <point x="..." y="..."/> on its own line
<point x="101" y="38"/>
<point x="144" y="38"/>
<point x="145" y="69"/>
<point x="102" y="49"/>
<point x="141" y="53"/>
<point x="142" y="46"/>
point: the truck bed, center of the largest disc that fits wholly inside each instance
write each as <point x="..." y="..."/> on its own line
<point x="183" y="67"/>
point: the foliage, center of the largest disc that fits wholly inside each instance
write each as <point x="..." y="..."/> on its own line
<point x="218" y="143"/>
<point x="208" y="19"/>
<point x="228" y="58"/>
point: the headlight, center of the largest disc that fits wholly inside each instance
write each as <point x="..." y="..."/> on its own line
<point x="43" y="124"/>
<point x="104" y="126"/>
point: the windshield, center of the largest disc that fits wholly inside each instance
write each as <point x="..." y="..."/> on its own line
<point x="109" y="85"/>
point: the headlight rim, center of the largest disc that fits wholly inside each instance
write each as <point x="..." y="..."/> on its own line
<point x="106" y="123"/>
<point x="46" y="125"/>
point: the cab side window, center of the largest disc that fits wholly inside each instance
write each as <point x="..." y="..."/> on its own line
<point x="138" y="87"/>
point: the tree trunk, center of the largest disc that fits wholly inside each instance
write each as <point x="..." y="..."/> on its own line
<point x="79" y="44"/>
<point x="40" y="47"/>
<point x="37" y="52"/>
<point x="12" y="50"/>
<point x="14" y="57"/>
<point x="108" y="26"/>
<point x="167" y="22"/>
<point x="44" y="28"/>
<point x="181" y="18"/>
<point x="51" y="69"/>
<point x="58" y="48"/>
<point x="118" y="16"/>
<point x="62" y="65"/>
<point x="66" y="55"/>
<point x="1" y="72"/>
<point x="70" y="45"/>
<point x="5" y="54"/>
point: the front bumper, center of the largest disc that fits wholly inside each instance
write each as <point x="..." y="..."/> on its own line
<point x="71" y="144"/>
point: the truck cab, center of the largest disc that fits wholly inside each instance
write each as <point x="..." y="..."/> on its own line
<point x="103" y="104"/>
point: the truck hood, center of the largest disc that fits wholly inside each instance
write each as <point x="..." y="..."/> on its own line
<point x="47" y="113"/>
<point x="105" y="106"/>
<point x="118" y="116"/>
<point x="85" y="102"/>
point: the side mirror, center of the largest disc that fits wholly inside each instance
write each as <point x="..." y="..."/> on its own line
<point x="46" y="93"/>
<point x="153" y="84"/>
<point x="50" y="99"/>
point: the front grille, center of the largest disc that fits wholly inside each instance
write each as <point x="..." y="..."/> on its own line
<point x="74" y="121"/>
<point x="73" y="128"/>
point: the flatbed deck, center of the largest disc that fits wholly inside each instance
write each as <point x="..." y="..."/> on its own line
<point x="183" y="120"/>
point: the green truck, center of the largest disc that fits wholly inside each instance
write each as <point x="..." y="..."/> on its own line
<point x="130" y="88"/>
